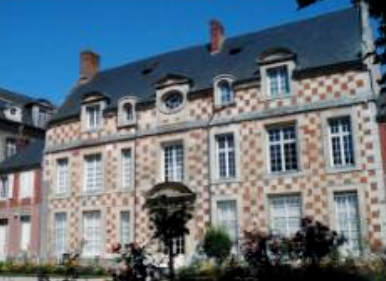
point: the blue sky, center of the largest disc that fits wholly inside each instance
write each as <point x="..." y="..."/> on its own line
<point x="40" y="40"/>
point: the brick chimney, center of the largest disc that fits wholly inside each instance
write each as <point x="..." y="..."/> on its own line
<point x="89" y="66"/>
<point x="217" y="36"/>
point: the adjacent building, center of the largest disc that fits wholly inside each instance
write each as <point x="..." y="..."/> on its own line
<point x="22" y="119"/>
<point x="264" y="128"/>
<point x="21" y="197"/>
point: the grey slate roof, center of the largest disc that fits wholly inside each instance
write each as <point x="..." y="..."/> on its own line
<point x="325" y="40"/>
<point x="30" y="157"/>
<point x="20" y="100"/>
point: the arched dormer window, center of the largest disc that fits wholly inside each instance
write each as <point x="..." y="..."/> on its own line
<point x="93" y="105"/>
<point x="223" y="90"/>
<point x="277" y="65"/>
<point x="126" y="111"/>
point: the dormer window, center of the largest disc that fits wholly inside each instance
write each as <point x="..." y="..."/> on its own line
<point x="223" y="90"/>
<point x="92" y="111"/>
<point x="126" y="111"/>
<point x="173" y="100"/>
<point x="93" y="116"/>
<point x="278" y="81"/>
<point x="277" y="65"/>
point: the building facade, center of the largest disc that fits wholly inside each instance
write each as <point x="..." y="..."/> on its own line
<point x="22" y="119"/>
<point x="264" y="128"/>
<point x="21" y="203"/>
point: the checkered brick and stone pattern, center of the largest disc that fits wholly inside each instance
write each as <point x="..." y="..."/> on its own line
<point x="314" y="182"/>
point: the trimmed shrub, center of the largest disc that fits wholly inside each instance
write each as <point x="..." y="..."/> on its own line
<point x="217" y="244"/>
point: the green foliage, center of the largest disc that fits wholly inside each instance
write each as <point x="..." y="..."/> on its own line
<point x="217" y="244"/>
<point x="10" y="267"/>
<point x="169" y="217"/>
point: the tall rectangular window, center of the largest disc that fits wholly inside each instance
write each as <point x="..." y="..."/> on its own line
<point x="226" y="156"/>
<point x="282" y="147"/>
<point x="227" y="217"/>
<point x="25" y="233"/>
<point x="93" y="116"/>
<point x="4" y="187"/>
<point x="278" y="81"/>
<point x="285" y="213"/>
<point x="60" y="234"/>
<point x="125" y="227"/>
<point x="178" y="246"/>
<point x="348" y="222"/>
<point x="3" y="239"/>
<point x="62" y="176"/>
<point x="26" y="184"/>
<point x="126" y="169"/>
<point x="173" y="162"/>
<point x="93" y="173"/>
<point x="10" y="147"/>
<point x="341" y="142"/>
<point x="92" y="233"/>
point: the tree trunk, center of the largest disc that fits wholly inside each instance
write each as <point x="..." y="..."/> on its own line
<point x="171" y="260"/>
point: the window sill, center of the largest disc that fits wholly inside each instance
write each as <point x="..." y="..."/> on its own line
<point x="292" y="174"/>
<point x="279" y="97"/>
<point x="91" y="193"/>
<point x="94" y="130"/>
<point x="126" y="190"/>
<point x="345" y="169"/>
<point x="226" y="180"/>
<point x="126" y="124"/>
<point x="61" y="196"/>
<point x="222" y="106"/>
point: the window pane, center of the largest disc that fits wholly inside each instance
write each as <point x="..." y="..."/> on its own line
<point x="348" y="222"/>
<point x="174" y="162"/>
<point x="125" y="228"/>
<point x="341" y="142"/>
<point x="282" y="149"/>
<point x="92" y="233"/>
<point x="60" y="234"/>
<point x="227" y="217"/>
<point x="62" y="176"/>
<point x="278" y="81"/>
<point x="285" y="214"/>
<point x="226" y="156"/>
<point x="25" y="239"/>
<point x="93" y="173"/>
<point x="126" y="169"/>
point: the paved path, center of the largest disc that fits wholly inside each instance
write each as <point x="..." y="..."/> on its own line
<point x="2" y="278"/>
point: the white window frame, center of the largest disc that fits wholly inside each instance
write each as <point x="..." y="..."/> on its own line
<point x="27" y="184"/>
<point x="327" y="148"/>
<point x="94" y="179"/>
<point x="287" y="232"/>
<point x="86" y="118"/>
<point x="239" y="211"/>
<point x="125" y="238"/>
<point x="347" y="248"/>
<point x="122" y="113"/>
<point x="25" y="233"/>
<point x="62" y="176"/>
<point x="60" y="234"/>
<point x="265" y="83"/>
<point x="10" y="147"/>
<point x="227" y="150"/>
<point x="127" y="181"/>
<point x="340" y="135"/>
<point x="174" y="169"/>
<point x="92" y="247"/>
<point x="6" y="187"/>
<point x="217" y="81"/>
<point x="282" y="143"/>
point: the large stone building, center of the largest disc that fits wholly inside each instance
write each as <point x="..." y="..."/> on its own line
<point x="264" y="128"/>
<point x="22" y="119"/>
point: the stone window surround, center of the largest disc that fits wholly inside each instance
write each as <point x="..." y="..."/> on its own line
<point x="117" y="223"/>
<point x="52" y="228"/>
<point x="239" y="208"/>
<point x="84" y="125"/>
<point x="89" y="152"/>
<point x="282" y="121"/>
<point x="161" y="93"/>
<point x="126" y="146"/>
<point x="122" y="122"/>
<point x="102" y="211"/>
<point x="216" y="93"/>
<point x="214" y="172"/>
<point x="359" y="189"/>
<point x="265" y="91"/>
<point x="267" y="203"/>
<point x="55" y="177"/>
<point x="338" y="113"/>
